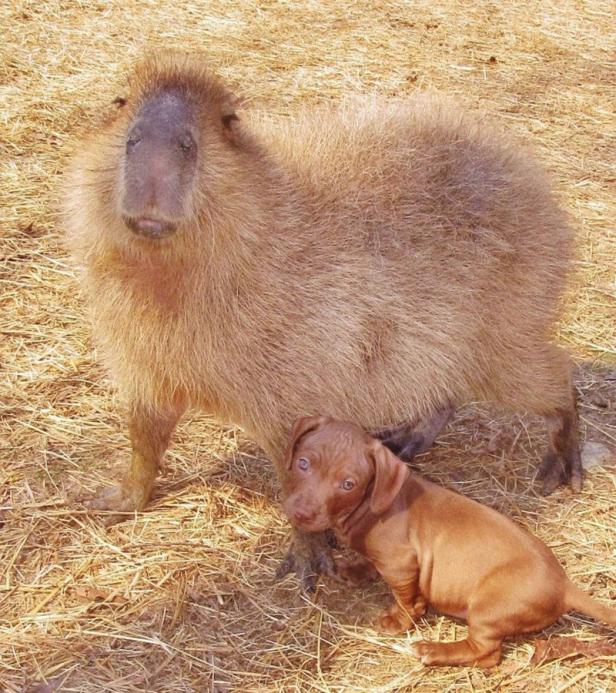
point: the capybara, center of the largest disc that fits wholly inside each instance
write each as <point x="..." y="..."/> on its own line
<point x="382" y="261"/>
<point x="431" y="545"/>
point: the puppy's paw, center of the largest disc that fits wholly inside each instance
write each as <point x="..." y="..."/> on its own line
<point x="419" y="607"/>
<point x="394" y="620"/>
<point x="426" y="652"/>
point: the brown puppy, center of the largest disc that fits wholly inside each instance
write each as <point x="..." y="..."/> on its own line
<point x="430" y="545"/>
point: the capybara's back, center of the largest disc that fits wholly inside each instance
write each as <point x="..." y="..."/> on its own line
<point x="471" y="249"/>
<point x="377" y="261"/>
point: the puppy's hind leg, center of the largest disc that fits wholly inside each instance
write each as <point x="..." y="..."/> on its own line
<point x="508" y="602"/>
<point x="482" y="653"/>
<point x="490" y="615"/>
<point x="482" y="647"/>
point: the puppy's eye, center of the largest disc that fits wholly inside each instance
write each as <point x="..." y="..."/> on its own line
<point x="348" y="484"/>
<point x="303" y="464"/>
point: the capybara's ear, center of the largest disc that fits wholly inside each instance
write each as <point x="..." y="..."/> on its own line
<point x="303" y="425"/>
<point x="230" y="119"/>
<point x="390" y="473"/>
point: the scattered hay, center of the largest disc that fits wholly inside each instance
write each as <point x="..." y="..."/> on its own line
<point x="182" y="598"/>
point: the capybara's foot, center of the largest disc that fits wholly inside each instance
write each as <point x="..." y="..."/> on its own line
<point x="308" y="557"/>
<point x="116" y="504"/>
<point x="396" y="619"/>
<point x="559" y="470"/>
<point x="459" y="653"/>
<point x="562" y="463"/>
<point x="409" y="439"/>
<point x="357" y="572"/>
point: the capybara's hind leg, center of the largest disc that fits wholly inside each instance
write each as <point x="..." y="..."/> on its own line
<point x="412" y="438"/>
<point x="542" y="383"/>
<point x="562" y="462"/>
<point x="150" y="433"/>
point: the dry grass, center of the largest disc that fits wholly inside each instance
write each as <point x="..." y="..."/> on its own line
<point x="182" y="598"/>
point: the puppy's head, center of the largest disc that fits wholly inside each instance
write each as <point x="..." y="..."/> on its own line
<point x="331" y="468"/>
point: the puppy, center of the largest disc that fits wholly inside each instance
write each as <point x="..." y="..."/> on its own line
<point x="431" y="545"/>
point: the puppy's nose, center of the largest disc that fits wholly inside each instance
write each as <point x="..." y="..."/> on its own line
<point x="301" y="516"/>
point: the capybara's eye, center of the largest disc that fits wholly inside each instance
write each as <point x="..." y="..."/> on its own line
<point x="133" y="139"/>
<point x="348" y="484"/>
<point x="303" y="464"/>
<point x="186" y="143"/>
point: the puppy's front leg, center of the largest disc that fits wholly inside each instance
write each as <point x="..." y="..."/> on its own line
<point x="410" y="603"/>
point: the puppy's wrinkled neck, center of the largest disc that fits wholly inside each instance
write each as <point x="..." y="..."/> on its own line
<point x="354" y="520"/>
<point x="353" y="529"/>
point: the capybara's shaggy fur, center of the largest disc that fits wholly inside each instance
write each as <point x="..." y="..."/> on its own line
<point x="378" y="261"/>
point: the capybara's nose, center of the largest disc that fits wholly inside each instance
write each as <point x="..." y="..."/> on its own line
<point x="152" y="228"/>
<point x="302" y="516"/>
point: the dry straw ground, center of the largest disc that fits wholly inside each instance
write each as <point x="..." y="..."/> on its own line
<point x="182" y="598"/>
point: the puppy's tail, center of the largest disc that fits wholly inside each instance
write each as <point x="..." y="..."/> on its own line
<point x="576" y="599"/>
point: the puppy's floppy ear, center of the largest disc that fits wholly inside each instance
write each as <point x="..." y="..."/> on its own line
<point x="303" y="425"/>
<point x="390" y="473"/>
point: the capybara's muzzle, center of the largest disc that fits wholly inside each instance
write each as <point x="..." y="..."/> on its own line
<point x="150" y="228"/>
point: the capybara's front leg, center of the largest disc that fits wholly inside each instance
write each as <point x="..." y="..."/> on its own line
<point x="149" y="433"/>
<point x="308" y="557"/>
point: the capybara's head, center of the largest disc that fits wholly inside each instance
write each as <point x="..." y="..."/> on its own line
<point x="179" y="120"/>
<point x="333" y="468"/>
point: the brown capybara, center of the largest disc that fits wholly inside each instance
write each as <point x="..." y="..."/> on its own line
<point x="382" y="261"/>
<point x="431" y="545"/>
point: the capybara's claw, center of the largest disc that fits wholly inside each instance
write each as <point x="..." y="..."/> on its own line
<point x="286" y="566"/>
<point x="332" y="541"/>
<point x="562" y="464"/>
<point x="305" y="572"/>
<point x="552" y="474"/>
<point x="308" y="580"/>
<point x="559" y="470"/>
<point x="113" y="504"/>
<point x="308" y="557"/>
